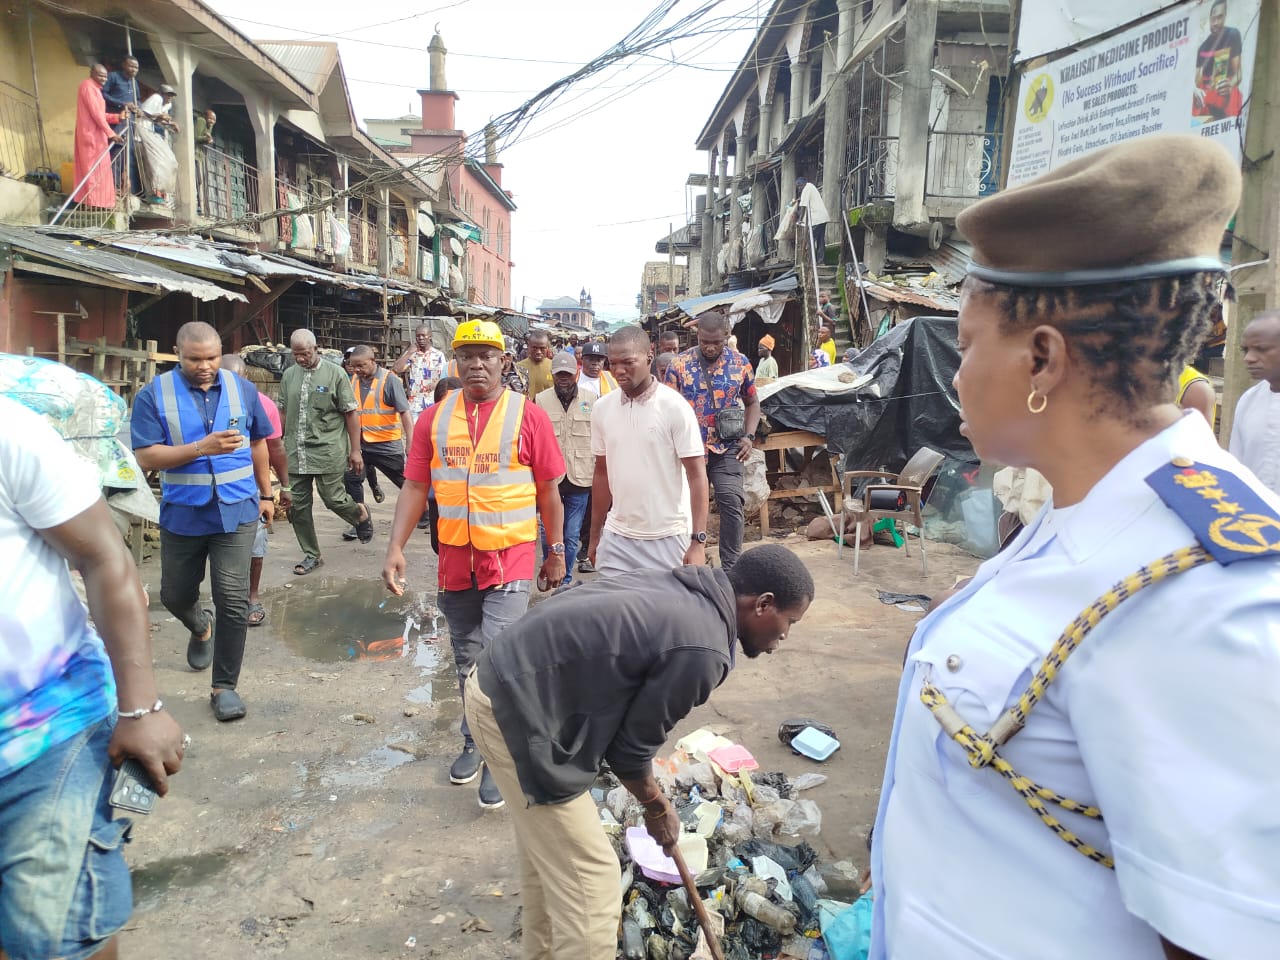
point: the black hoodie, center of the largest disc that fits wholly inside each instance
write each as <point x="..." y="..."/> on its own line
<point x="604" y="671"/>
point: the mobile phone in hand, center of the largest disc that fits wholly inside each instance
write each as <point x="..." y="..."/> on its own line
<point x="132" y="790"/>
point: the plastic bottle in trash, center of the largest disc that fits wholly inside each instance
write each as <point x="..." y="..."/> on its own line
<point x="770" y="914"/>
<point x="632" y="940"/>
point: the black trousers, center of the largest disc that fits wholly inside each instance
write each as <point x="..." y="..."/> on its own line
<point x="390" y="465"/>
<point x="182" y="568"/>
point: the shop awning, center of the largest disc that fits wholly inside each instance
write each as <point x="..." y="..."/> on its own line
<point x="784" y="286"/>
<point x="79" y="261"/>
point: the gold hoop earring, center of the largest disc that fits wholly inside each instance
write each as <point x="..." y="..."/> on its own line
<point x="1044" y="401"/>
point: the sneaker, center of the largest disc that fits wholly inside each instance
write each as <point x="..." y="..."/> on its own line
<point x="350" y="534"/>
<point x="378" y="495"/>
<point x="490" y="798"/>
<point x="585" y="566"/>
<point x="467" y="767"/>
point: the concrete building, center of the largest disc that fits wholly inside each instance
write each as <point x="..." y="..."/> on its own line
<point x="289" y="216"/>
<point x="658" y="281"/>
<point x="892" y="108"/>
<point x="474" y="201"/>
<point x="569" y="312"/>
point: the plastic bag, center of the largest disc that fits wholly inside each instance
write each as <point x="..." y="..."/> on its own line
<point x="848" y="936"/>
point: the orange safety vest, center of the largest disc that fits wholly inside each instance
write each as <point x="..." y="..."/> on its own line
<point x="378" y="422"/>
<point x="607" y="382"/>
<point x="487" y="498"/>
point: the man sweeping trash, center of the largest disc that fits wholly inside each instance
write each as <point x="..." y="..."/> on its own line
<point x="602" y="672"/>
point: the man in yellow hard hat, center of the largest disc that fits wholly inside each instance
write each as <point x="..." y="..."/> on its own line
<point x="494" y="464"/>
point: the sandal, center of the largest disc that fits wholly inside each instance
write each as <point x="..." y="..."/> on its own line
<point x="200" y="649"/>
<point x="257" y="613"/>
<point x="306" y="566"/>
<point x="364" y="528"/>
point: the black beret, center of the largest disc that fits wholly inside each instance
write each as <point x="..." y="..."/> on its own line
<point x="1154" y="206"/>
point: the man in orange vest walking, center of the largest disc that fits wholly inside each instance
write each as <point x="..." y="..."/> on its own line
<point x="386" y="429"/>
<point x="493" y="461"/>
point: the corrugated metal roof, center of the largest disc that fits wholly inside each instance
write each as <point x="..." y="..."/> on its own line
<point x="309" y="61"/>
<point x="934" y="300"/>
<point x="92" y="259"/>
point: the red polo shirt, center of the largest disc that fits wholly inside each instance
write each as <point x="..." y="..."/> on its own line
<point x="539" y="450"/>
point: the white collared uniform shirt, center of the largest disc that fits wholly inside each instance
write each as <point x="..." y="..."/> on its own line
<point x="1167" y="717"/>
<point x="1255" y="433"/>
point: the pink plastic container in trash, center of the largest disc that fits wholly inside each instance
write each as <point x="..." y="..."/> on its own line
<point x="733" y="758"/>
<point x="656" y="865"/>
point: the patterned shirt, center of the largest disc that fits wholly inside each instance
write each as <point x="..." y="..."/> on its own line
<point x="425" y="369"/>
<point x="731" y="379"/>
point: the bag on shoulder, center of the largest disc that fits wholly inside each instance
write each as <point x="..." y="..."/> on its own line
<point x="731" y="421"/>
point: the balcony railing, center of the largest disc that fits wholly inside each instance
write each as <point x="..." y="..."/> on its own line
<point x="226" y="186"/>
<point x="364" y="242"/>
<point x="20" y="147"/>
<point x="963" y="166"/>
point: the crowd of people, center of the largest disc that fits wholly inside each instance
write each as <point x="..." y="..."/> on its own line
<point x="1154" y="708"/>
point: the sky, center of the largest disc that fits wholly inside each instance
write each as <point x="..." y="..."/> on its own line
<point x="599" y="175"/>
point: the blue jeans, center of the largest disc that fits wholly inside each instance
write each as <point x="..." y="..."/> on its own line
<point x="64" y="884"/>
<point x="475" y="617"/>
<point x="575" y="508"/>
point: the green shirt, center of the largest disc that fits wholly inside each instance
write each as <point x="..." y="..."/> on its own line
<point x="539" y="375"/>
<point x="315" y="426"/>
<point x="767" y="368"/>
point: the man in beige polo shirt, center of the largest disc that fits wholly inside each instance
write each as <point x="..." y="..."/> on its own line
<point x="649" y="491"/>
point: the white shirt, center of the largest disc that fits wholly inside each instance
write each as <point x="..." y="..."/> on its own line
<point x="643" y="442"/>
<point x="1165" y="717"/>
<point x="1255" y="433"/>
<point x="589" y="383"/>
<point x="811" y="200"/>
<point x="44" y="628"/>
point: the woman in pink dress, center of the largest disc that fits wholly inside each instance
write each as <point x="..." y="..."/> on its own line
<point x="93" y="134"/>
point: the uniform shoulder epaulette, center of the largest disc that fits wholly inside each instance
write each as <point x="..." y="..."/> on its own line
<point x="1227" y="516"/>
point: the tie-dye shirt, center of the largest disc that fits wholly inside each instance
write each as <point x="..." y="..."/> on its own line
<point x="55" y="678"/>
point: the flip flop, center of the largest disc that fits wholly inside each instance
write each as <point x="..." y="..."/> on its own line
<point x="307" y="564"/>
<point x="259" y="611"/>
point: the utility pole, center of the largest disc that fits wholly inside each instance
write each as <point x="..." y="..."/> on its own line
<point x="1257" y="226"/>
<point x="671" y="267"/>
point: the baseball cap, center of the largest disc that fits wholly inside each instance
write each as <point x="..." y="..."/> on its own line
<point x="563" y="363"/>
<point x="594" y="349"/>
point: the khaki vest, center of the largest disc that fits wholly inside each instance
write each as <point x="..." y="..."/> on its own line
<point x="573" y="431"/>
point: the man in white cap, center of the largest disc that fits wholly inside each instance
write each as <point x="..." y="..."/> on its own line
<point x="569" y="406"/>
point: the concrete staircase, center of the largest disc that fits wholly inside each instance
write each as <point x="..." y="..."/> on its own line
<point x="828" y="283"/>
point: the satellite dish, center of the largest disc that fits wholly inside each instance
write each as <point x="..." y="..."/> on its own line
<point x="950" y="83"/>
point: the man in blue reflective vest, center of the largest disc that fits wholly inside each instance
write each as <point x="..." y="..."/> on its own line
<point x="205" y="431"/>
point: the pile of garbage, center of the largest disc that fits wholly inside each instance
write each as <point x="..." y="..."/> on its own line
<point x="746" y="843"/>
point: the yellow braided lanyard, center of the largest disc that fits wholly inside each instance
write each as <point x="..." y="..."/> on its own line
<point x="981" y="748"/>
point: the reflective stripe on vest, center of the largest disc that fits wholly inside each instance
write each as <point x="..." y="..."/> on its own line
<point x="486" y="497"/>
<point x="193" y="484"/>
<point x="607" y="382"/>
<point x="378" y="422"/>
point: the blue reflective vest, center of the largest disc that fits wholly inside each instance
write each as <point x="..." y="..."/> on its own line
<point x="192" y="485"/>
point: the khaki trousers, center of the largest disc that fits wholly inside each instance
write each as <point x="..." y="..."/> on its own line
<point x="568" y="871"/>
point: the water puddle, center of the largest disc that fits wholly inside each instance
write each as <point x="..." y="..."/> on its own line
<point x="329" y="620"/>
<point x="158" y="879"/>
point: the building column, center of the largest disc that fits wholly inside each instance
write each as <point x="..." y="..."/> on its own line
<point x="799" y="85"/>
<point x="844" y="38"/>
<point x="787" y="246"/>
<point x="709" y="221"/>
<point x="834" y="137"/>
<point x="262" y="116"/>
<point x="735" y="191"/>
<point x="384" y="232"/>
<point x="411" y="240"/>
<point x="766" y="125"/>
<point x="920" y="29"/>
<point x="178" y="64"/>
<point x="722" y="195"/>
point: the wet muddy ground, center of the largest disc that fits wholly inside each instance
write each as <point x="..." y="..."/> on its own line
<point x="323" y="825"/>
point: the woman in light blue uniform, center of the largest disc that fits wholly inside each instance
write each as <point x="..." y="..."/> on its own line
<point x="1109" y="791"/>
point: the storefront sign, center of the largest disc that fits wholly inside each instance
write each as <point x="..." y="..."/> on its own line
<point x="1187" y="69"/>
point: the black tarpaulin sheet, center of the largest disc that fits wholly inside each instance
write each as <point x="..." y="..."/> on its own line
<point x="916" y="406"/>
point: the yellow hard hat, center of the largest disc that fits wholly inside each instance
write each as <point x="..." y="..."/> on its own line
<point x="479" y="332"/>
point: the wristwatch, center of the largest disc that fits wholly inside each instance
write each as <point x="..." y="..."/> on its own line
<point x="557" y="549"/>
<point x="699" y="537"/>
